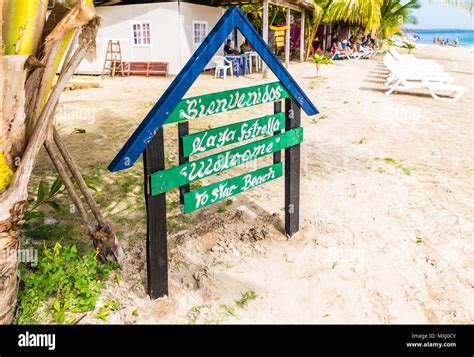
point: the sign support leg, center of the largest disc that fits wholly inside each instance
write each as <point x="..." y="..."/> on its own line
<point x="292" y="170"/>
<point x="156" y="237"/>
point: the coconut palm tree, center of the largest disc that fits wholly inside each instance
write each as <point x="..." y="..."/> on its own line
<point x="363" y="12"/>
<point x="394" y="14"/>
<point x="32" y="51"/>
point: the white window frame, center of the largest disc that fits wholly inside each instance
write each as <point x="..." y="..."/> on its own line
<point x="194" y="37"/>
<point x="141" y="23"/>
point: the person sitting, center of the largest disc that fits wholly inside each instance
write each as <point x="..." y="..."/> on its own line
<point x="245" y="47"/>
<point x="228" y="50"/>
<point x="345" y="48"/>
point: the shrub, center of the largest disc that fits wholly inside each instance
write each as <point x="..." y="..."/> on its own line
<point x="319" y="60"/>
<point x="62" y="284"/>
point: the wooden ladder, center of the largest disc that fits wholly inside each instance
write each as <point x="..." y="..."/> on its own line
<point x="113" y="59"/>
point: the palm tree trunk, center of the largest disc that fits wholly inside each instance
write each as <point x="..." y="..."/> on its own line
<point x="21" y="41"/>
<point x="11" y="212"/>
<point x="9" y="278"/>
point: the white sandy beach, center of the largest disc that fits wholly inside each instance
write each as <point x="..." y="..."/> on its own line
<point x="386" y="205"/>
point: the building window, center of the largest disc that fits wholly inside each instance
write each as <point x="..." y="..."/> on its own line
<point x="199" y="32"/>
<point x="141" y="34"/>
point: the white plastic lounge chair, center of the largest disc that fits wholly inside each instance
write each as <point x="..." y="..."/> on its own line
<point x="437" y="83"/>
<point x="450" y="92"/>
<point x="366" y="51"/>
<point x="341" y="54"/>
<point x="222" y="64"/>
<point x="345" y="54"/>
<point x="390" y="61"/>
<point x="411" y="58"/>
<point x="398" y="70"/>
<point x="356" y="55"/>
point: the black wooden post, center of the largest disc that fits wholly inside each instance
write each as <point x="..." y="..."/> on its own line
<point x="156" y="236"/>
<point x="277" y="154"/>
<point x="183" y="129"/>
<point x="292" y="171"/>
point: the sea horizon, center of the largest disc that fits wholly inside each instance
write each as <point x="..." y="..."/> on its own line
<point x="466" y="36"/>
<point x="438" y="30"/>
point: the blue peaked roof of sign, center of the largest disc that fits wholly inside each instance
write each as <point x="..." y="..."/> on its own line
<point x="232" y="18"/>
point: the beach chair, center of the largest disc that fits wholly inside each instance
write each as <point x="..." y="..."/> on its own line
<point x="224" y="65"/>
<point x="439" y="84"/>
<point x="411" y="65"/>
<point x="356" y="55"/>
<point x="410" y="59"/>
<point x="346" y="55"/>
<point x="397" y="69"/>
<point x="339" y="54"/>
<point x="367" y="52"/>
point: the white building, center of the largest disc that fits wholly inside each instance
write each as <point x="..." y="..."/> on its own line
<point x="153" y="32"/>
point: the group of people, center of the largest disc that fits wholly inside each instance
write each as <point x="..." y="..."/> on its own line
<point x="367" y="41"/>
<point x="445" y="42"/>
<point x="244" y="47"/>
<point x="349" y="46"/>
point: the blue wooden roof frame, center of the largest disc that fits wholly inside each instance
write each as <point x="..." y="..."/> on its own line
<point x="232" y="18"/>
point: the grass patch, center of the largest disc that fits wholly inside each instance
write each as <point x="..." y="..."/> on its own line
<point x="399" y="164"/>
<point x="208" y="315"/>
<point x="317" y="119"/>
<point x="79" y="131"/>
<point x="361" y="141"/>
<point x="221" y="264"/>
<point x="228" y="311"/>
<point x="246" y="298"/>
<point x="173" y="226"/>
<point x="39" y="231"/>
<point x="107" y="308"/>
<point x="195" y="312"/>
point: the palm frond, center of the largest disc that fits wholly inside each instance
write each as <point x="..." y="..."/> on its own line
<point x="460" y="4"/>
<point x="363" y="12"/>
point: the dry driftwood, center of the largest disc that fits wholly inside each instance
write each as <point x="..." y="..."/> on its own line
<point x="104" y="227"/>
<point x="93" y="234"/>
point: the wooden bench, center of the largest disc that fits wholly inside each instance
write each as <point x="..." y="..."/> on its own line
<point x="145" y="68"/>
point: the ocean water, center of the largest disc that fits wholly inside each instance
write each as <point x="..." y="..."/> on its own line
<point x="466" y="36"/>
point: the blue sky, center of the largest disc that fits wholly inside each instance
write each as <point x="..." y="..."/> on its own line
<point x="431" y="16"/>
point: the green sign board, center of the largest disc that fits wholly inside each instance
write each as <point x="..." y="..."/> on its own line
<point x="279" y="130"/>
<point x="201" y="106"/>
<point x="219" y="191"/>
<point x="233" y="133"/>
<point x="168" y="179"/>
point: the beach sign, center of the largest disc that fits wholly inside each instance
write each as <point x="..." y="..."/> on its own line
<point x="250" y="139"/>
